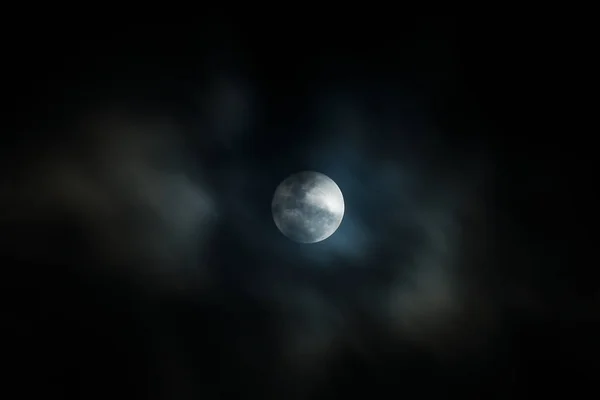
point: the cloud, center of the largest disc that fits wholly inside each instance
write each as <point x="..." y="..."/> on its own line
<point x="409" y="262"/>
<point x="123" y="180"/>
<point x="438" y="299"/>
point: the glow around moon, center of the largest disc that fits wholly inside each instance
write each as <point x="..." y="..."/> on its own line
<point x="308" y="207"/>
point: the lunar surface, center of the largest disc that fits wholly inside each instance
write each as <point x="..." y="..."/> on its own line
<point x="308" y="207"/>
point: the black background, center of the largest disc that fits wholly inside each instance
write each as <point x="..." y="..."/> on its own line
<point x="488" y="87"/>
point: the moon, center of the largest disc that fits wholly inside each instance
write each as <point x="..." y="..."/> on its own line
<point x="308" y="207"/>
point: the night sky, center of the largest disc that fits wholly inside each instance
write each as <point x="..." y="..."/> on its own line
<point x="141" y="259"/>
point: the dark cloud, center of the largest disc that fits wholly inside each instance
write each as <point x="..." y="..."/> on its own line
<point x="123" y="182"/>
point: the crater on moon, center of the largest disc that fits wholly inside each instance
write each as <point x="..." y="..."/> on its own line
<point x="308" y="207"/>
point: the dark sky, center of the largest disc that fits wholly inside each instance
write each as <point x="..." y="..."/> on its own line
<point x="141" y="259"/>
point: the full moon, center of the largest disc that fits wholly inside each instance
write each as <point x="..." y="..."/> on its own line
<point x="308" y="207"/>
